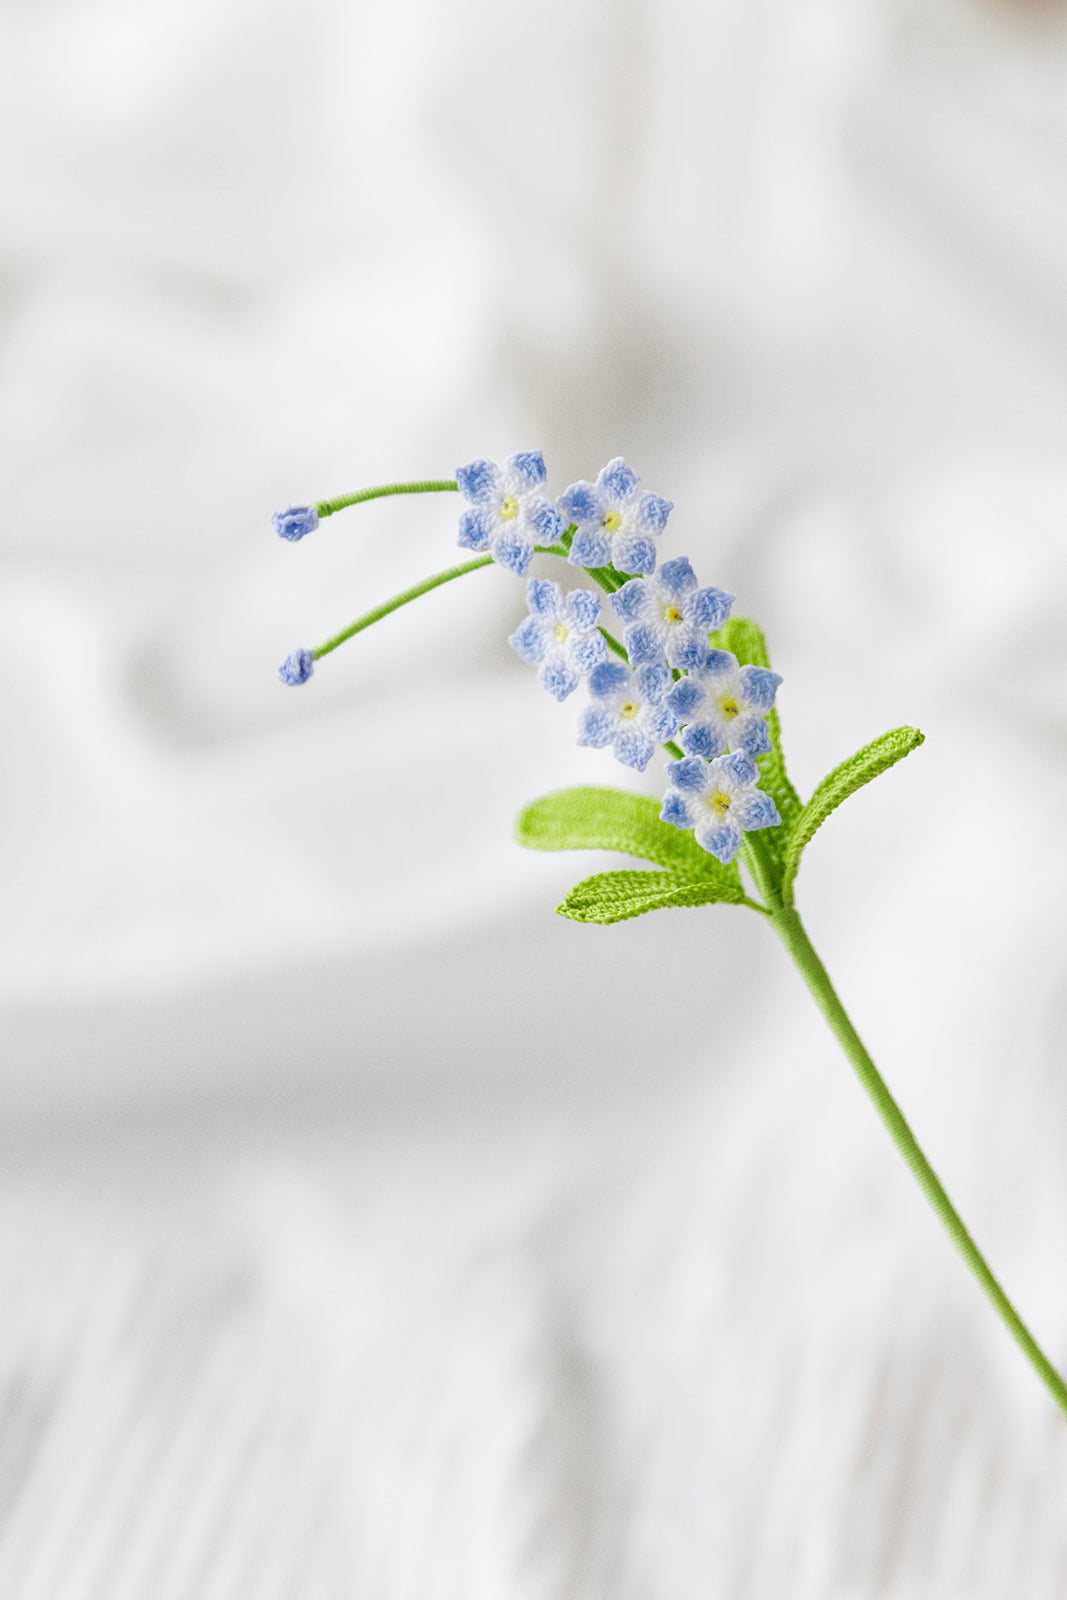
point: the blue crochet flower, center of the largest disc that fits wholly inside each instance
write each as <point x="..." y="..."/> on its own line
<point x="719" y="801"/>
<point x="507" y="516"/>
<point x="668" y="617"/>
<point x="629" y="712"/>
<point x="724" y="706"/>
<point x="295" y="522"/>
<point x="297" y="667"/>
<point x="560" y="635"/>
<point x="616" y="525"/>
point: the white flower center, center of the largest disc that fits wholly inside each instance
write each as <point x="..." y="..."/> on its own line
<point x="561" y="632"/>
<point x="509" y="508"/>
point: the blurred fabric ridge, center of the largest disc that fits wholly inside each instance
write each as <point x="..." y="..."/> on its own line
<point x="365" y="1229"/>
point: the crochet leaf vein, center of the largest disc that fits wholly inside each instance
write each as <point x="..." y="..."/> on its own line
<point x="616" y="896"/>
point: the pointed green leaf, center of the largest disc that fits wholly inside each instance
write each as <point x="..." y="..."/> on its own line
<point x="591" y="818"/>
<point x="874" y="758"/>
<point x="616" y="896"/>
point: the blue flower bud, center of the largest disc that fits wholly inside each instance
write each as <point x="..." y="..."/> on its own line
<point x="294" y="523"/>
<point x="297" y="668"/>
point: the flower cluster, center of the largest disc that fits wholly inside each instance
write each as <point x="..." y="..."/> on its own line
<point x="673" y="683"/>
<point x="668" y="681"/>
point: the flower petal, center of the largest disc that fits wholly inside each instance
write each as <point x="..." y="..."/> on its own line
<point x="544" y="521"/>
<point x="479" y="481"/>
<point x="475" y="530"/>
<point x="677" y="576"/>
<point x="631" y="601"/>
<point x="544" y="597"/>
<point x="720" y="839"/>
<point x="755" y="810"/>
<point x="582" y="502"/>
<point x="524" y="471"/>
<point x="690" y="774"/>
<point x="652" y="513"/>
<point x="760" y="685"/>
<point x="617" y="479"/>
<point x="528" y="640"/>
<point x="676" y="810"/>
<point x="634" y="748"/>
<point x="591" y="548"/>
<point x="633" y="552"/>
<point x="558" y="678"/>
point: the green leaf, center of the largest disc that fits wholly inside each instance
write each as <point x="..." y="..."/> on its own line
<point x="876" y="757"/>
<point x="616" y="896"/>
<point x="591" y="818"/>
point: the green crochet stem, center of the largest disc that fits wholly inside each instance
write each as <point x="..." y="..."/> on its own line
<point x="790" y="930"/>
<point x="378" y="612"/>
<point x="326" y="508"/>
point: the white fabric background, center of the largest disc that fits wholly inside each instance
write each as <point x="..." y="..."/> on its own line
<point x="365" y="1230"/>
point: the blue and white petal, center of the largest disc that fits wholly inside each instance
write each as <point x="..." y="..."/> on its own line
<point x="590" y="547"/>
<point x="617" y="480"/>
<point x="524" y="471"/>
<point x="512" y="549"/>
<point x="720" y="839"/>
<point x="479" y="481"/>
<point x="475" y="530"/>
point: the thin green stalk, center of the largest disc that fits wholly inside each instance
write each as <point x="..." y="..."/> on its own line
<point x="326" y="508"/>
<point x="790" y="930"/>
<point x="613" y="644"/>
<point x="378" y="612"/>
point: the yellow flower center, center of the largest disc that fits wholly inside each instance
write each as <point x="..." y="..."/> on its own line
<point x="561" y="632"/>
<point x="672" y="614"/>
<point x="612" y="521"/>
<point x="509" y="508"/>
<point x="719" y="802"/>
<point x="628" y="709"/>
<point x="728" y="706"/>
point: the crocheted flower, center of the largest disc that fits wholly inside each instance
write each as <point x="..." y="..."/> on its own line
<point x="507" y="516"/>
<point x="719" y="801"/>
<point x="669" y="617"/>
<point x="629" y="712"/>
<point x="560" y="635"/>
<point x="724" y="706"/>
<point x="616" y="525"/>
<point x="295" y="522"/>
<point x="297" y="667"/>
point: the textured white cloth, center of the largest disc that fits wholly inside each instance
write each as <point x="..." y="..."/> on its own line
<point x="365" y="1230"/>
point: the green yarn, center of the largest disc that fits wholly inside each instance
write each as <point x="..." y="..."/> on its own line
<point x="616" y="896"/>
<point x="844" y="780"/>
<point x="326" y="508"/>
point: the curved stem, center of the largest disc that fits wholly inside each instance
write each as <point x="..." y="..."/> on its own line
<point x="790" y="930"/>
<point x="326" y="508"/>
<point x="378" y="612"/>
